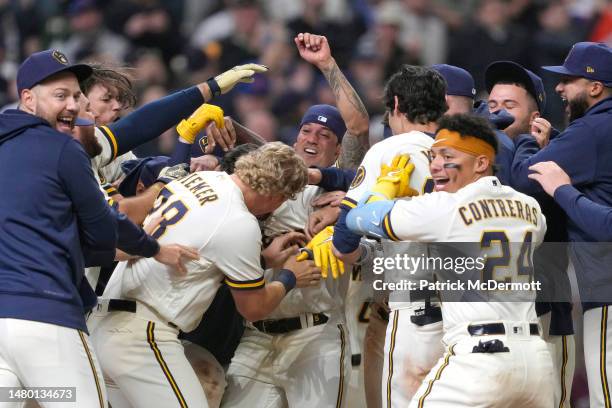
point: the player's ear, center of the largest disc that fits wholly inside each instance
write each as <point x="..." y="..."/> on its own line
<point x="534" y="115"/>
<point x="596" y="88"/>
<point x="28" y="100"/>
<point x="395" y="105"/>
<point x="481" y="164"/>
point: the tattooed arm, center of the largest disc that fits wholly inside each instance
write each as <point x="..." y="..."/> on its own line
<point x="315" y="50"/>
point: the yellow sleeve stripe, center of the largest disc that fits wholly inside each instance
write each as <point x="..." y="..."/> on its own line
<point x="110" y="190"/>
<point x="111" y="139"/>
<point x="388" y="229"/>
<point x="245" y="285"/>
<point x="348" y="203"/>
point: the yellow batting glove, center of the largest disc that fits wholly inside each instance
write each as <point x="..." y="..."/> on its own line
<point x="241" y="73"/>
<point x="394" y="180"/>
<point x="190" y="127"/>
<point x="320" y="248"/>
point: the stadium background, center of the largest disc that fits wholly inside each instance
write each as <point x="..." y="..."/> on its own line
<point x="174" y="43"/>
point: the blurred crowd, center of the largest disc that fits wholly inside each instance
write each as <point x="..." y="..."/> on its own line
<point x="169" y="44"/>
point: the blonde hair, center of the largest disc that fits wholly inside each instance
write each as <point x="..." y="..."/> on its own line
<point x="272" y="169"/>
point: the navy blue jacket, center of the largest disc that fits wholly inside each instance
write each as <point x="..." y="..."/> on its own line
<point x="504" y="157"/>
<point x="595" y="219"/>
<point x="51" y="206"/>
<point x="584" y="151"/>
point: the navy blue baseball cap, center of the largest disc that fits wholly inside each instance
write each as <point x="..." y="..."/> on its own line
<point x="328" y="116"/>
<point x="459" y="82"/>
<point x="41" y="65"/>
<point x="588" y="60"/>
<point x="501" y="71"/>
<point x="145" y="170"/>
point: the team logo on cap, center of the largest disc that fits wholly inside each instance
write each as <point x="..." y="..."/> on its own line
<point x="59" y="57"/>
<point x="590" y="69"/>
<point x="541" y="97"/>
<point x="322" y="119"/>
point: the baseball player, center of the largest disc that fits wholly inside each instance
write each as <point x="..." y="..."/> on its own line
<point x="300" y="356"/>
<point x="147" y="303"/>
<point x="50" y="213"/>
<point x="493" y="348"/>
<point x="521" y="92"/>
<point x="415" y="99"/>
<point x="583" y="151"/>
<point x="110" y="141"/>
<point x="110" y="94"/>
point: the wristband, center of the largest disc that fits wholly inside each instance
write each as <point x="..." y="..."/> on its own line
<point x="287" y="278"/>
<point x="213" y="85"/>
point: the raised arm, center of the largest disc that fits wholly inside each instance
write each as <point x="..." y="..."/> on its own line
<point x="153" y="119"/>
<point x="315" y="50"/>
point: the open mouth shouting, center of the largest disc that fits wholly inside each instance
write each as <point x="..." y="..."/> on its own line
<point x="440" y="183"/>
<point x="65" y="123"/>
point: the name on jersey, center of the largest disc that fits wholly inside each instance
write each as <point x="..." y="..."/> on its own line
<point x="202" y="191"/>
<point x="488" y="208"/>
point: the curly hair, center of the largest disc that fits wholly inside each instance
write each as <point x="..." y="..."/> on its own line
<point x="108" y="77"/>
<point x="421" y="94"/>
<point x="273" y="168"/>
<point x="466" y="124"/>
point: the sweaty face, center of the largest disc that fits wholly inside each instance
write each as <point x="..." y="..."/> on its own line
<point x="460" y="173"/>
<point x="317" y="145"/>
<point x="516" y="101"/>
<point x="105" y="104"/>
<point x="56" y="100"/>
<point x="573" y="93"/>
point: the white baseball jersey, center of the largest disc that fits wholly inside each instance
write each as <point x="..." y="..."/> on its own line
<point x="107" y="165"/>
<point x="205" y="210"/>
<point x="112" y="171"/>
<point x="481" y="210"/>
<point x="293" y="216"/>
<point x="417" y="145"/>
<point x="107" y="140"/>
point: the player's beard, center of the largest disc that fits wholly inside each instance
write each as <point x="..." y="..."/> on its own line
<point x="86" y="135"/>
<point x="577" y="106"/>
